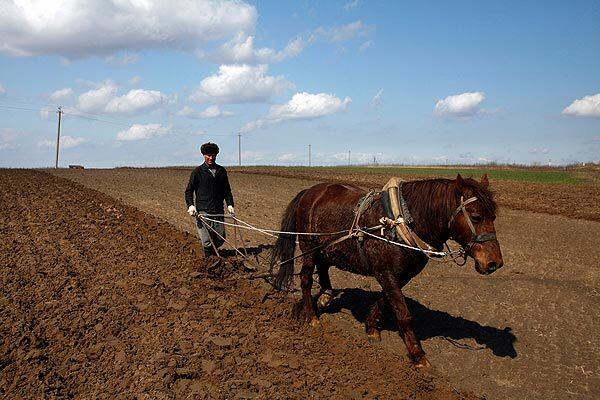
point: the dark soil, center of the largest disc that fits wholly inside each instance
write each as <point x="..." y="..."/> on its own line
<point x="100" y="300"/>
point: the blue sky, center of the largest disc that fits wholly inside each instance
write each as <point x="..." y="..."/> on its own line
<point x="144" y="83"/>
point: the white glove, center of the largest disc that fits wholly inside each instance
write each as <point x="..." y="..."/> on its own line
<point x="231" y="210"/>
<point x="192" y="210"/>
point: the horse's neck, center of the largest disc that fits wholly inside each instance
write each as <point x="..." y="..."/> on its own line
<point x="429" y="203"/>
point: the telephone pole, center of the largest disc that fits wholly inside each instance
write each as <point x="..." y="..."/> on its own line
<point x="309" y="161"/>
<point x="348" y="157"/>
<point x="239" y="149"/>
<point x="58" y="137"/>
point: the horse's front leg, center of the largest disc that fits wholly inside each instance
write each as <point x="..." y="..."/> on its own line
<point x="393" y="292"/>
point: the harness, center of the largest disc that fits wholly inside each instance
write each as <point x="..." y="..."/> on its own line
<point x="475" y="238"/>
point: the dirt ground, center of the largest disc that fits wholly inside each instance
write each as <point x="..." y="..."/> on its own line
<point x="527" y="331"/>
<point x="101" y="300"/>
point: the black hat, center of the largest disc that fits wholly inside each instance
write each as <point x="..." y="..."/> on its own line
<point x="209" y="148"/>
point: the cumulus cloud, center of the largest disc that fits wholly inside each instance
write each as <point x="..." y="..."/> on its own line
<point x="214" y="111"/>
<point x="302" y="106"/>
<point x="46" y="113"/>
<point x="241" y="50"/>
<point x="210" y="112"/>
<point x="239" y="83"/>
<point x="589" y="106"/>
<point x="376" y="102"/>
<point x="76" y="28"/>
<point x="61" y="94"/>
<point x="2" y="90"/>
<point x="461" y="105"/>
<point x="142" y="132"/>
<point x="105" y="99"/>
<point x="66" y="142"/>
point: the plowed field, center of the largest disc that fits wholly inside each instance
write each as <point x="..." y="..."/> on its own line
<point x="101" y="300"/>
<point x="527" y="331"/>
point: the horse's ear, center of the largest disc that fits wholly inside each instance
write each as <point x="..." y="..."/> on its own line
<point x="460" y="182"/>
<point x="484" y="181"/>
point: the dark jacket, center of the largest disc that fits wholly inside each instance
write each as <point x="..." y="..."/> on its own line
<point x="210" y="191"/>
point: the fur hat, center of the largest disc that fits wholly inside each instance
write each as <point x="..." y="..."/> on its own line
<point x="209" y="148"/>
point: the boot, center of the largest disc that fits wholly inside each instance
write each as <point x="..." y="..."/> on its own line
<point x="209" y="252"/>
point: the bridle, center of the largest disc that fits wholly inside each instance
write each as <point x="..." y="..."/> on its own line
<point x="475" y="238"/>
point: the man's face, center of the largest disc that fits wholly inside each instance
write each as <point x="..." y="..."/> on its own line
<point x="210" y="159"/>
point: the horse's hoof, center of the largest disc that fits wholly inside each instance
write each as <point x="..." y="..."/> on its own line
<point x="314" y="322"/>
<point x="324" y="300"/>
<point x="423" y="364"/>
<point x="374" y="336"/>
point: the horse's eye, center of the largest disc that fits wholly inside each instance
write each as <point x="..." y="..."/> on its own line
<point x="476" y="218"/>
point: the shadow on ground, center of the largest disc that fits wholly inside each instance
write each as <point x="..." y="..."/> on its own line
<point x="428" y="323"/>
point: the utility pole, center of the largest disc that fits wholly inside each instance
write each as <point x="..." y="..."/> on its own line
<point x="309" y="160"/>
<point x="374" y="160"/>
<point x="348" y="157"/>
<point x="239" y="149"/>
<point x="58" y="137"/>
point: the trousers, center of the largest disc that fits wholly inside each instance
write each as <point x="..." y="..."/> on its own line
<point x="205" y="234"/>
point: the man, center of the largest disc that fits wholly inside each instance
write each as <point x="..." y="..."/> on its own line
<point x="210" y="185"/>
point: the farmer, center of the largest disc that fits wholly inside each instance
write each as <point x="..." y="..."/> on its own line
<point x="210" y="185"/>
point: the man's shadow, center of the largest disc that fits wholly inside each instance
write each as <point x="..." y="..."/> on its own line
<point x="427" y="323"/>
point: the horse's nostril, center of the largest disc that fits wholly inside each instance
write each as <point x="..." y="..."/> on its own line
<point x="492" y="266"/>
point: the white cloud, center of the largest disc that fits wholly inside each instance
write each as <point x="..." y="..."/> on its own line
<point x="461" y="105"/>
<point x="376" y="102"/>
<point x="302" y="106"/>
<point x="344" y="33"/>
<point x="142" y="132"/>
<point x="76" y="28"/>
<point x="104" y="99"/>
<point x="589" y="106"/>
<point x="2" y="90"/>
<point x="241" y="49"/>
<point x="239" y="84"/>
<point x="214" y="111"/>
<point x="287" y="157"/>
<point x="252" y="156"/>
<point x="61" y="94"/>
<point x="66" y="142"/>
<point x="210" y="112"/>
<point x="351" y="5"/>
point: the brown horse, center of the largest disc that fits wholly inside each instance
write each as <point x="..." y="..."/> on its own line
<point x="440" y="210"/>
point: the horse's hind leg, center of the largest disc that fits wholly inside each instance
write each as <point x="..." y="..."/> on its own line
<point x="326" y="294"/>
<point x="393" y="292"/>
<point x="374" y="320"/>
<point x="306" y="281"/>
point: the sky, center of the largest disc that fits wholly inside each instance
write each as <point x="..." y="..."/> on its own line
<point x="145" y="83"/>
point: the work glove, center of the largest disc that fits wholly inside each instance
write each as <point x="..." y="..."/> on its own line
<point x="231" y="210"/>
<point x="192" y="210"/>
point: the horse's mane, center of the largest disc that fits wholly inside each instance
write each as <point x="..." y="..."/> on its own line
<point x="432" y="201"/>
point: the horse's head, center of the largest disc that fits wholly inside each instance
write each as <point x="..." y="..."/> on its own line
<point x="472" y="224"/>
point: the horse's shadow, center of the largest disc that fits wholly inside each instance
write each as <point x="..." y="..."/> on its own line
<point x="428" y="323"/>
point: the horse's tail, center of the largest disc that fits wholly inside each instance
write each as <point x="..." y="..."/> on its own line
<point x="285" y="246"/>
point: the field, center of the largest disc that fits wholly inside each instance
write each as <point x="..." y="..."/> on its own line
<point x="98" y="289"/>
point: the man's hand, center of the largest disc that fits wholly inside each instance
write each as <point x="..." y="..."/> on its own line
<point x="231" y="210"/>
<point x="192" y="210"/>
